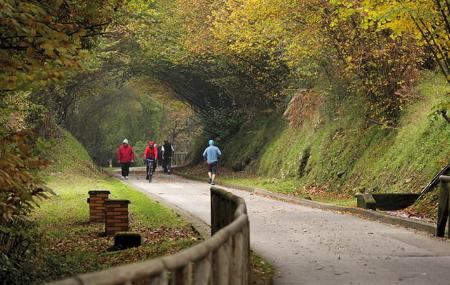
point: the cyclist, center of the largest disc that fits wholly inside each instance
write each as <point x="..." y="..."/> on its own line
<point x="150" y="155"/>
<point x="211" y="155"/>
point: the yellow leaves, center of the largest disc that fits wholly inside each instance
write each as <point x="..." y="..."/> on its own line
<point x="425" y="20"/>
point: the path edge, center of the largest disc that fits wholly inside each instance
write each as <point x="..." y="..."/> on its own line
<point x="364" y="213"/>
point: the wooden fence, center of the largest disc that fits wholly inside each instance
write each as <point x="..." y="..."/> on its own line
<point x="179" y="158"/>
<point x="222" y="259"/>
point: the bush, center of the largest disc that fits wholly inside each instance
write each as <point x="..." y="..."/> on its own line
<point x="19" y="181"/>
<point x="19" y="241"/>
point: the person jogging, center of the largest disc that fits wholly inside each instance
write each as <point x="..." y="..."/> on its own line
<point x="125" y="156"/>
<point x="212" y="154"/>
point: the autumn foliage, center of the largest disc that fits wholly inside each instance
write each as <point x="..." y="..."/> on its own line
<point x="375" y="48"/>
<point x="43" y="41"/>
<point x="19" y="184"/>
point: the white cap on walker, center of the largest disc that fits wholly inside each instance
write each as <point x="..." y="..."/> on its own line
<point x="125" y="141"/>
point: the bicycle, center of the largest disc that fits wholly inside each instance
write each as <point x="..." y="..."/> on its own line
<point x="150" y="162"/>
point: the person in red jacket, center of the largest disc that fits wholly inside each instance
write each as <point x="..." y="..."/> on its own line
<point x="151" y="152"/>
<point x="125" y="156"/>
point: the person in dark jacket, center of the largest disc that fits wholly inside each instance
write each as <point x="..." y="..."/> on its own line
<point x="167" y="152"/>
<point x="125" y="156"/>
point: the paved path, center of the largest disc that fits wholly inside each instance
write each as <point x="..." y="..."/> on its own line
<point x="312" y="246"/>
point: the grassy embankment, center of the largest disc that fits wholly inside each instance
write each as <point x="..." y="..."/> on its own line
<point x="335" y="152"/>
<point x="76" y="246"/>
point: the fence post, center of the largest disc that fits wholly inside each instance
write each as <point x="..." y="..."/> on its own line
<point x="183" y="276"/>
<point x="238" y="259"/>
<point x="222" y="264"/>
<point x="203" y="271"/>
<point x="215" y="212"/>
<point x="443" y="209"/>
<point x="246" y="253"/>
<point x="161" y="279"/>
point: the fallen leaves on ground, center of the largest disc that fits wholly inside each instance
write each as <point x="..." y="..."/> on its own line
<point x="88" y="241"/>
<point x="319" y="192"/>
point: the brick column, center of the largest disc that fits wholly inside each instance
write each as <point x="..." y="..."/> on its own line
<point x="116" y="216"/>
<point x="96" y="206"/>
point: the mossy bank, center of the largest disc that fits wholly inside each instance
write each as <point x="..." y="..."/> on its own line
<point x="335" y="150"/>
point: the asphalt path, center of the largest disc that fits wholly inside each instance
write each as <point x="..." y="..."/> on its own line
<point x="313" y="246"/>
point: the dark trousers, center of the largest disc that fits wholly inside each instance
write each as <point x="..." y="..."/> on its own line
<point x="443" y="210"/>
<point x="125" y="169"/>
<point x="167" y="164"/>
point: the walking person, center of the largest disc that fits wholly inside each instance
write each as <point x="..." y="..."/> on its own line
<point x="212" y="154"/>
<point x="125" y="156"/>
<point x="167" y="152"/>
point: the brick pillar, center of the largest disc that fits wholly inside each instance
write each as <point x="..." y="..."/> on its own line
<point x="116" y="216"/>
<point x="96" y="206"/>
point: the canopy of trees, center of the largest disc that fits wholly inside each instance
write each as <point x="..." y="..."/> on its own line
<point x="238" y="57"/>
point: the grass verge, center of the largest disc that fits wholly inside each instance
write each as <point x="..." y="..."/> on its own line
<point x="261" y="271"/>
<point x="78" y="247"/>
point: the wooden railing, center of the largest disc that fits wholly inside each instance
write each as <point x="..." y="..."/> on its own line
<point x="222" y="259"/>
<point x="179" y="158"/>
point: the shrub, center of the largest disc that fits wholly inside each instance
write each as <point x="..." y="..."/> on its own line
<point x="19" y="181"/>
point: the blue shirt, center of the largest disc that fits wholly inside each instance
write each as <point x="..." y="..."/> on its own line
<point x="212" y="154"/>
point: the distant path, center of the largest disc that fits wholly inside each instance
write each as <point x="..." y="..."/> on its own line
<point x="312" y="246"/>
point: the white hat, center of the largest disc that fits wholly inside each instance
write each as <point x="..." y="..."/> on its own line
<point x="125" y="141"/>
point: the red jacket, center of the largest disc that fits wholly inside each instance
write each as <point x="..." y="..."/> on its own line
<point x="125" y="154"/>
<point x="151" y="153"/>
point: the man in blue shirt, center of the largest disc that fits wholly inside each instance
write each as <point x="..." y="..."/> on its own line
<point x="211" y="155"/>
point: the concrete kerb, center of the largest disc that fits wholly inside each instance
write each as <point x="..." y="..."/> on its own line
<point x="368" y="214"/>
